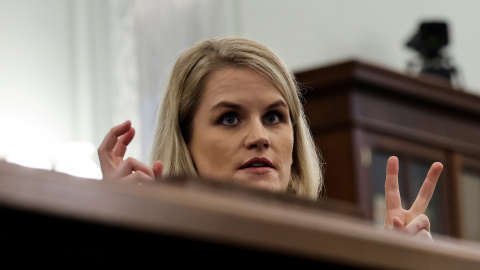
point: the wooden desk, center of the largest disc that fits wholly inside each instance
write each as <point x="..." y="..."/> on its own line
<point x="52" y="219"/>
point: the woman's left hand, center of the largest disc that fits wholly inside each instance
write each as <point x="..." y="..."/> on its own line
<point x="412" y="221"/>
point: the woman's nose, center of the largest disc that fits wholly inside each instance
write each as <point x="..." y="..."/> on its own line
<point x="257" y="136"/>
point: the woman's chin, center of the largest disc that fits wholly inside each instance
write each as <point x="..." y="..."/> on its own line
<point x="265" y="184"/>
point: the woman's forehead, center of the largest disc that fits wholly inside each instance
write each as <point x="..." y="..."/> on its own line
<point x="235" y="85"/>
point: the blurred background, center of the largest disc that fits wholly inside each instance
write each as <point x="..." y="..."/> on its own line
<point x="72" y="69"/>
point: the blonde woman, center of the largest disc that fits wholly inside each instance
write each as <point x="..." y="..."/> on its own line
<point x="232" y="111"/>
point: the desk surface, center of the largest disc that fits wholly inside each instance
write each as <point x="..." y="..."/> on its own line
<point x="54" y="216"/>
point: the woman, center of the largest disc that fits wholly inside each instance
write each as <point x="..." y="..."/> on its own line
<point x="232" y="111"/>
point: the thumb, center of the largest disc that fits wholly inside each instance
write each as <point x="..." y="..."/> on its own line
<point x="158" y="170"/>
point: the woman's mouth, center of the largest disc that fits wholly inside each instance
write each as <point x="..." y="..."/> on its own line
<point x="258" y="165"/>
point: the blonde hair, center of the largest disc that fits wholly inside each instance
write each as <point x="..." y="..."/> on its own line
<point x="183" y="93"/>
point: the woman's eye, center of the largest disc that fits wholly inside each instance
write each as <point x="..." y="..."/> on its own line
<point x="229" y="119"/>
<point x="273" y="117"/>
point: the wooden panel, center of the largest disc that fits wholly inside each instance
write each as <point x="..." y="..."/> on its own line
<point x="336" y="149"/>
<point x="328" y="112"/>
<point x="418" y="121"/>
<point x="381" y="79"/>
<point x="53" y="219"/>
<point x="369" y="97"/>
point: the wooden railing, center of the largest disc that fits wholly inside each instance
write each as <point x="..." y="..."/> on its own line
<point x="49" y="218"/>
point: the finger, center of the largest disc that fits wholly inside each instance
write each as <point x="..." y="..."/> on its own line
<point x="131" y="166"/>
<point x="158" y="170"/>
<point x="426" y="191"/>
<point x="393" y="223"/>
<point x="110" y="139"/>
<point x="392" y="193"/>
<point x="397" y="224"/>
<point x="106" y="147"/>
<point x="424" y="234"/>
<point x="421" y="222"/>
<point x="123" y="141"/>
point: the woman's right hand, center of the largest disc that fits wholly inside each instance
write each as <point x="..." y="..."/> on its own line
<point x="111" y="155"/>
<point x="412" y="221"/>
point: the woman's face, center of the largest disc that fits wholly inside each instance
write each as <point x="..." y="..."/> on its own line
<point x="242" y="130"/>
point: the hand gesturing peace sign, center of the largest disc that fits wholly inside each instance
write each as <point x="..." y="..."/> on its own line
<point x="412" y="221"/>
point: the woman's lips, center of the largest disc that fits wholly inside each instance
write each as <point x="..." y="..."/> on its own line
<point x="258" y="165"/>
<point x="257" y="162"/>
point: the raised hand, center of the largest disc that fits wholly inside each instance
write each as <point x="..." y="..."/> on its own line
<point x="412" y="221"/>
<point x="111" y="154"/>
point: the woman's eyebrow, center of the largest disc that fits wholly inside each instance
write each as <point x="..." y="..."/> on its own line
<point x="231" y="105"/>
<point x="279" y="103"/>
<point x="226" y="104"/>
